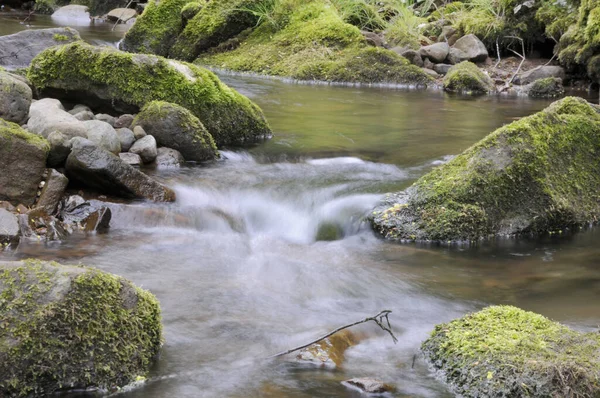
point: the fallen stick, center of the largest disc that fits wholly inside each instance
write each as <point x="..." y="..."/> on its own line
<point x="378" y="319"/>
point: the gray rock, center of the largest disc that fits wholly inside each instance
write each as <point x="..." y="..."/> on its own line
<point x="373" y="38"/>
<point x="472" y="47"/>
<point x="427" y="64"/>
<point x="103" y="135"/>
<point x="442" y="69"/>
<point x="175" y="127"/>
<point x="106" y="118"/>
<point x="146" y="148"/>
<point x="9" y="227"/>
<point x="22" y="162"/>
<point x="101" y="170"/>
<point x="48" y="115"/>
<point x="84" y="116"/>
<point x="139" y="132"/>
<point x="126" y="138"/>
<point x="53" y="191"/>
<point x="132" y="159"/>
<point x="60" y="147"/>
<point x="413" y="57"/>
<point x="368" y="385"/>
<point x="71" y="12"/>
<point x="431" y="73"/>
<point x="549" y="87"/>
<point x="19" y="49"/>
<point x="124" y="121"/>
<point x="121" y="14"/>
<point x="85" y="216"/>
<point x="80" y="108"/>
<point x="456" y="56"/>
<point x="448" y="35"/>
<point x="436" y="53"/>
<point x="15" y="99"/>
<point x="540" y="73"/>
<point x="169" y="158"/>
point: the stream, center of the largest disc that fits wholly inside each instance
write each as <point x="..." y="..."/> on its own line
<point x="267" y="249"/>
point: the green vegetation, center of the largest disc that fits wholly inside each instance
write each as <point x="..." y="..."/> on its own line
<point x="45" y="6"/>
<point x="547" y="88"/>
<point x="533" y="176"/>
<point x="503" y="351"/>
<point x="135" y="80"/>
<point x="10" y="131"/>
<point x="72" y="327"/>
<point x="190" y="10"/>
<point x="467" y="78"/>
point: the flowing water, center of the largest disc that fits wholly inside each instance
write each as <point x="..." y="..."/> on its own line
<point x="267" y="249"/>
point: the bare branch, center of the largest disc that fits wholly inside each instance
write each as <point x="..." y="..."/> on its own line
<point x="378" y="319"/>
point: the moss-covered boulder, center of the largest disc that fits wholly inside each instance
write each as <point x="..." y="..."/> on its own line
<point x="216" y="22"/>
<point x="549" y="87"/>
<point x="22" y="161"/>
<point x="536" y="175"/>
<point x="66" y="327"/>
<point x="467" y="78"/>
<point x="103" y="76"/>
<point x="503" y="351"/>
<point x="157" y="28"/>
<point x="310" y="40"/>
<point x="175" y="127"/>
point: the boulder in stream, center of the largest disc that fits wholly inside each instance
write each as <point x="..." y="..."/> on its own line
<point x="533" y="176"/>
<point x="330" y="351"/>
<point x="175" y="127"/>
<point x="503" y="351"/>
<point x="17" y="50"/>
<point x="549" y="87"/>
<point x="106" y="172"/>
<point x="22" y="161"/>
<point x="73" y="327"/>
<point x="467" y="78"/>
<point x="78" y="71"/>
<point x="15" y="98"/>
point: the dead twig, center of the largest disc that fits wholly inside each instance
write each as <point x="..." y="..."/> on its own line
<point x="522" y="56"/>
<point x="380" y="319"/>
<point x="497" y="53"/>
<point x="120" y="16"/>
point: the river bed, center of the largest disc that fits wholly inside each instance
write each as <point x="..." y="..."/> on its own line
<point x="241" y="270"/>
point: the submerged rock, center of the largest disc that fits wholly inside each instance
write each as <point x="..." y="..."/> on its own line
<point x="69" y="327"/>
<point x="22" y="161"/>
<point x="467" y="78"/>
<point x="15" y="99"/>
<point x="328" y="352"/>
<point x="533" y="176"/>
<point x="175" y="127"/>
<point x="101" y="170"/>
<point x="503" y="351"/>
<point x="9" y="227"/>
<point x="19" y="49"/>
<point x="136" y="79"/>
<point x="369" y="385"/>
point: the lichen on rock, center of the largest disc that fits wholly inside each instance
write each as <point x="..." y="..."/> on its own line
<point x="129" y="81"/>
<point x="503" y="351"/>
<point x="67" y="327"/>
<point x="533" y="176"/>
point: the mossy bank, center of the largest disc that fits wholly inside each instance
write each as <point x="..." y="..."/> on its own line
<point x="66" y="327"/>
<point x="503" y="351"/>
<point x="106" y="77"/>
<point x="538" y="175"/>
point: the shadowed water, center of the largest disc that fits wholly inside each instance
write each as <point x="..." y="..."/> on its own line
<point x="268" y="249"/>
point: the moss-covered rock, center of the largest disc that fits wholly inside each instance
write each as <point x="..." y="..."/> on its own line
<point x="65" y="327"/>
<point x="175" y="127"/>
<point x="22" y="161"/>
<point x="190" y="10"/>
<point x="548" y="87"/>
<point x="126" y="82"/>
<point x="467" y="78"/>
<point x="503" y="351"/>
<point x="310" y="41"/>
<point x="216" y="22"/>
<point x="537" y="175"/>
<point x="157" y="28"/>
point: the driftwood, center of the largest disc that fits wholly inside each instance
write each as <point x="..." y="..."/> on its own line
<point x="381" y="319"/>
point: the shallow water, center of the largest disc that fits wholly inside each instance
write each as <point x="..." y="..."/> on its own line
<point x="241" y="273"/>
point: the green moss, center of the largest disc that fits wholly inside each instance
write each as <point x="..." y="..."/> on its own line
<point x="532" y="176"/>
<point x="547" y="88"/>
<point x="157" y="28"/>
<point x="361" y="14"/>
<point x="467" y="78"/>
<point x="190" y="10"/>
<point x="218" y="21"/>
<point x="11" y="131"/>
<point x="45" y="6"/>
<point x="58" y="37"/>
<point x="314" y="43"/>
<point x="503" y="351"/>
<point x="135" y="80"/>
<point x="69" y="327"/>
